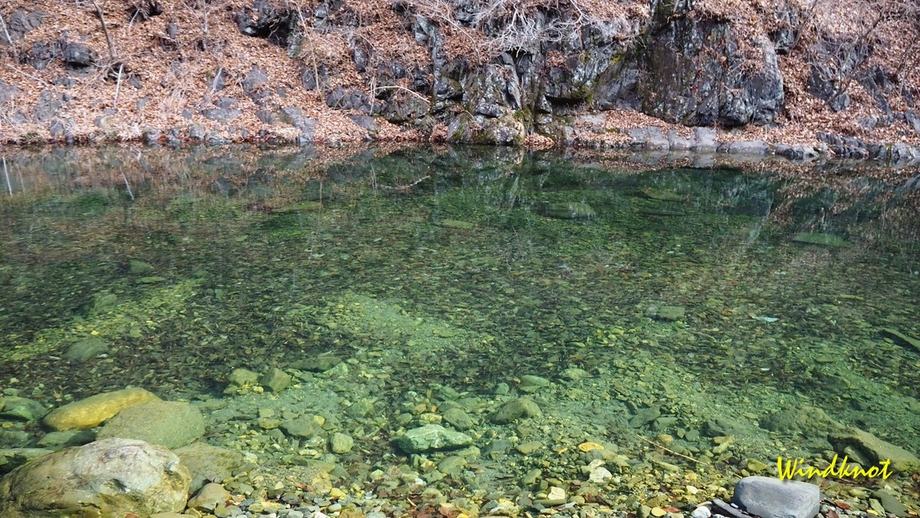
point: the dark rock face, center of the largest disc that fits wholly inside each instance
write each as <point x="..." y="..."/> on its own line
<point x="265" y="20"/>
<point x="699" y="72"/>
<point x="77" y="55"/>
<point x="21" y="22"/>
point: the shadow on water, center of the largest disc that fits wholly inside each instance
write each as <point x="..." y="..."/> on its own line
<point x="465" y="268"/>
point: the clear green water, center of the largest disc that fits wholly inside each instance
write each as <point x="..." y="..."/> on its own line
<point x="189" y="264"/>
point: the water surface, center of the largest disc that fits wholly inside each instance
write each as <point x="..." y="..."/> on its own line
<point x="694" y="303"/>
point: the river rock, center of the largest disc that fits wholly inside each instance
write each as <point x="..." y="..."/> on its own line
<point x="58" y="440"/>
<point x="85" y="350"/>
<point x="172" y="424"/>
<point x="107" y="478"/>
<point x="516" y="409"/>
<point x="458" y="418"/>
<point x="209" y="497"/>
<point x="891" y="503"/>
<point x="92" y="411"/>
<point x="432" y="437"/>
<point x="341" y="443"/>
<point x="23" y="409"/>
<point x="276" y="380"/>
<point x="530" y="383"/>
<point x="11" y="458"/>
<point x="303" y="426"/>
<point x="208" y="463"/>
<point x="875" y="449"/>
<point x="243" y="378"/>
<point x="770" y="497"/>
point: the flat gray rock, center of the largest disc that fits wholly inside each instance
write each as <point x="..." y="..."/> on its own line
<point x="172" y="424"/>
<point x="432" y="437"/>
<point x="769" y="497"/>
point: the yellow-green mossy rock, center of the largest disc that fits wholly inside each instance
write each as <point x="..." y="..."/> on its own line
<point x="94" y="410"/>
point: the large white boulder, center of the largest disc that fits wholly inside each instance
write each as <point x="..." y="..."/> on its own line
<point x="108" y="478"/>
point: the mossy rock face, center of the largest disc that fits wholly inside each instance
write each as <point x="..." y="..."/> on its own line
<point x="816" y="238"/>
<point x="567" y="210"/>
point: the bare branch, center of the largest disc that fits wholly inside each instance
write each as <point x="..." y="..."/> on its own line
<point x="105" y="29"/>
<point x="7" y="34"/>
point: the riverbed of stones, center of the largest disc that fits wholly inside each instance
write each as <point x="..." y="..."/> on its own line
<point x="320" y="438"/>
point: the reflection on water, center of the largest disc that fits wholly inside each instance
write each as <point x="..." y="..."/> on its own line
<point x="664" y="301"/>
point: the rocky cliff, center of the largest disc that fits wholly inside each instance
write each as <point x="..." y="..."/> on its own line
<point x="840" y="78"/>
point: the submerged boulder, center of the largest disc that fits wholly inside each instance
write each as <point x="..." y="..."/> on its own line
<point x="172" y="424"/>
<point x="107" y="478"/>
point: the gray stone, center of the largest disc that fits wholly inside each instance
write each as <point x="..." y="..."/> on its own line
<point x="243" y="378"/>
<point x="341" y="443"/>
<point x="360" y="408"/>
<point x="112" y="477"/>
<point x="85" y="350"/>
<point x="645" y="416"/>
<point x="14" y="438"/>
<point x="530" y="383"/>
<point x="208" y="463"/>
<point x="303" y="426"/>
<point x="432" y="437"/>
<point x="678" y="143"/>
<point x="457" y="418"/>
<point x="891" y="503"/>
<point x="656" y="139"/>
<point x="913" y="120"/>
<point x="172" y="424"/>
<point x="516" y="409"/>
<point x="209" y="497"/>
<point x="11" y="458"/>
<point x="770" y="497"/>
<point x="254" y="79"/>
<point x="748" y="147"/>
<point x="704" y="139"/>
<point x="57" y="440"/>
<point x="23" y="409"/>
<point x="22" y="22"/>
<point x="221" y="114"/>
<point x="76" y="54"/>
<point x="276" y="380"/>
<point x="874" y="449"/>
<point x="48" y="105"/>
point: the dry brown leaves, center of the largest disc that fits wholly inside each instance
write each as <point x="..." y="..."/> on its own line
<point x="177" y="73"/>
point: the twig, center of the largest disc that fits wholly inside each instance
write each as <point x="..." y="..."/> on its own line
<point x="403" y="88"/>
<point x="312" y="47"/>
<point x="672" y="452"/>
<point x="6" y="172"/>
<point x="8" y="39"/>
<point x="121" y="67"/>
<point x="40" y="80"/>
<point x="105" y="29"/>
